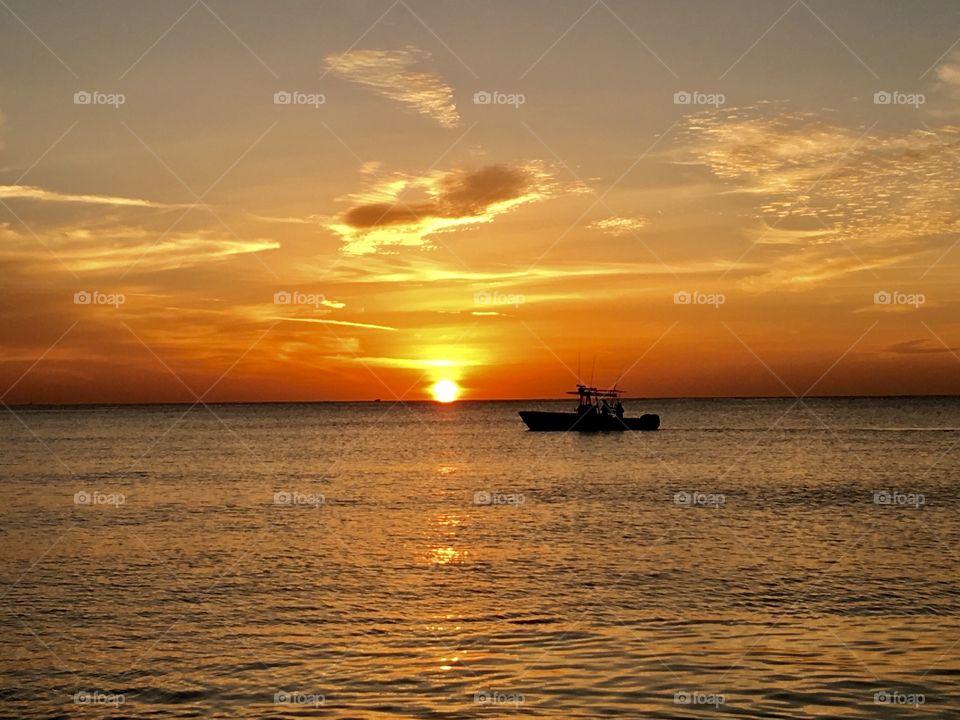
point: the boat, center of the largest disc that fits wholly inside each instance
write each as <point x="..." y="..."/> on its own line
<point x="594" y="414"/>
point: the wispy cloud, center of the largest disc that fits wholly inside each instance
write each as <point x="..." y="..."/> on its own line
<point x="30" y="192"/>
<point x="411" y="363"/>
<point x="345" y="323"/>
<point x="919" y="347"/>
<point x="412" y="269"/>
<point x="948" y="73"/>
<point x="120" y="247"/>
<point x="391" y="73"/>
<point x="387" y="215"/>
<point x="835" y="194"/>
<point x="618" y="226"/>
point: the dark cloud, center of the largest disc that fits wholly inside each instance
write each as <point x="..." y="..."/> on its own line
<point x="379" y="214"/>
<point x="918" y="347"/>
<point x="457" y="194"/>
<point x="466" y="194"/>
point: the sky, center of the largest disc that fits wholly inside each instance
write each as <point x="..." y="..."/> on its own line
<point x="294" y="201"/>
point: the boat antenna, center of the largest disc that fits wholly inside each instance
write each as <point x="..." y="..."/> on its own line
<point x="593" y="367"/>
<point x="579" y="374"/>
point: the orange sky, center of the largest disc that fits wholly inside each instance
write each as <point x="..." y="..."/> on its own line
<point x="310" y="204"/>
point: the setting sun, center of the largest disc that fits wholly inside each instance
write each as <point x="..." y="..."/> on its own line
<point x="445" y="391"/>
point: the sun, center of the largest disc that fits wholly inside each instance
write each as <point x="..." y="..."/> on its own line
<point x="445" y="391"/>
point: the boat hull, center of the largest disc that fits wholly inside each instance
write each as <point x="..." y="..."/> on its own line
<point x="588" y="422"/>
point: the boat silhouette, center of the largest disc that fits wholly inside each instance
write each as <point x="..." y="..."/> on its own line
<point x="594" y="414"/>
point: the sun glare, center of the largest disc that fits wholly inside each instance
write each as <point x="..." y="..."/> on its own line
<point x="445" y="391"/>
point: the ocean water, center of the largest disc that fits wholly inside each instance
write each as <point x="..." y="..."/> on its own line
<point x="753" y="559"/>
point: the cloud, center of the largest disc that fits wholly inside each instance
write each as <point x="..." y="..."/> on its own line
<point x="617" y="226"/>
<point x="919" y="347"/>
<point x="949" y="72"/>
<point x="390" y="73"/>
<point x="413" y="269"/>
<point x="833" y="193"/>
<point x="383" y="217"/>
<point x="345" y="323"/>
<point x="121" y="247"/>
<point x="411" y="363"/>
<point x="30" y="192"/>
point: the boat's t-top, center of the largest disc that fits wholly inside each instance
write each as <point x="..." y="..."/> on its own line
<point x="595" y="400"/>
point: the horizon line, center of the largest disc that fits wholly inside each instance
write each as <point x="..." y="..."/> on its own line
<point x="428" y="401"/>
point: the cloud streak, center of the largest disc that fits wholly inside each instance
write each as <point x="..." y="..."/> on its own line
<point x="119" y="248"/>
<point x="31" y="192"/>
<point x="392" y="74"/>
<point x="344" y="323"/>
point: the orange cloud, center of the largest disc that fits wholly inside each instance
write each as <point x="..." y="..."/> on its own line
<point x="30" y="192"/>
<point x="121" y="247"/>
<point x="837" y="200"/>
<point x="390" y="73"/>
<point x="617" y="226"/>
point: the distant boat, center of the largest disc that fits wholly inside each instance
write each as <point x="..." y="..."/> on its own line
<point x="594" y="414"/>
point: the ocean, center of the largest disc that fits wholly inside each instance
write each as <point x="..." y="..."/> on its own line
<point x="752" y="559"/>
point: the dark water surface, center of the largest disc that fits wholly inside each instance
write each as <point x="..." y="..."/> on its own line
<point x="755" y="558"/>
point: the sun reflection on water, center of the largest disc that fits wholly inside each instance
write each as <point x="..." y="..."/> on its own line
<point x="442" y="536"/>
